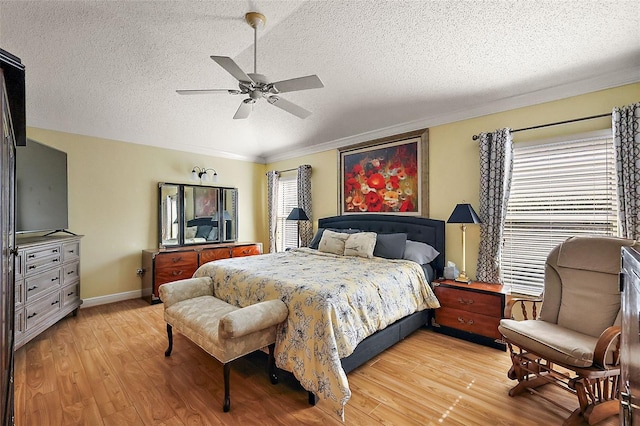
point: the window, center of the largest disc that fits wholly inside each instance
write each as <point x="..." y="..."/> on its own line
<point x="287" y="230"/>
<point x="559" y="189"/>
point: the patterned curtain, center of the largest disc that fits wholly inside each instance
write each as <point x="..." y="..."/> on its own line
<point x="496" y="167"/>
<point x="272" y="207"/>
<point x="626" y="140"/>
<point x="305" y="228"/>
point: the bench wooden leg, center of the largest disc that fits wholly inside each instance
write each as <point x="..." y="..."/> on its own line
<point x="273" y="370"/>
<point x="170" y="338"/>
<point x="227" y="399"/>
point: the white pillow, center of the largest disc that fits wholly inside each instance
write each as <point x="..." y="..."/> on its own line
<point x="419" y="252"/>
<point x="360" y="244"/>
<point x="332" y="242"/>
<point x="191" y="232"/>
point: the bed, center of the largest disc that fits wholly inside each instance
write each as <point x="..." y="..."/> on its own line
<point x="343" y="310"/>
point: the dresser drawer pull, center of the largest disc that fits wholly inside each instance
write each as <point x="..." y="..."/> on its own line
<point x="32" y="267"/>
<point x="176" y="273"/>
<point x="71" y="272"/>
<point x="72" y="251"/>
<point x="31" y="256"/>
<point x="32" y="288"/>
<point x="55" y="303"/>
<point x="54" y="260"/>
<point x="176" y="259"/>
<point x="55" y="278"/>
<point x="465" y="302"/>
<point x="69" y="294"/>
<point x="32" y="315"/>
<point x="462" y="321"/>
<point x="54" y="251"/>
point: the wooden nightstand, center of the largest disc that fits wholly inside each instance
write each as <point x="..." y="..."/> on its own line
<point x="471" y="311"/>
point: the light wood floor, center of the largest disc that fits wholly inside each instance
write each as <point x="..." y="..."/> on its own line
<point x="107" y="367"/>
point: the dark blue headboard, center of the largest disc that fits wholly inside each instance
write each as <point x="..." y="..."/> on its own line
<point x="421" y="229"/>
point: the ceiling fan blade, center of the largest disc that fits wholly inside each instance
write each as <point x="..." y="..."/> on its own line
<point x="290" y="107"/>
<point x="208" y="91"/>
<point x="232" y="68"/>
<point x="244" y="109"/>
<point x="300" y="83"/>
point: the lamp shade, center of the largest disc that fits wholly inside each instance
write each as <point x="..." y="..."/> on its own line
<point x="297" y="214"/>
<point x="464" y="213"/>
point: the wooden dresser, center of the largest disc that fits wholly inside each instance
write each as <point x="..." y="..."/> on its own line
<point x="47" y="283"/>
<point x="171" y="264"/>
<point x="471" y="311"/>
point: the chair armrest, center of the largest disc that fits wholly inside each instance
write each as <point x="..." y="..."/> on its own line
<point x="252" y="318"/>
<point x="178" y="291"/>
<point x="608" y="337"/>
<point x="525" y="304"/>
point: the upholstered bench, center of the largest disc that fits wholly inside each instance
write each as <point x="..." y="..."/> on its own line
<point x="224" y="331"/>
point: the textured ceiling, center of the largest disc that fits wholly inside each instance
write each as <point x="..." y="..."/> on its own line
<point x="110" y="68"/>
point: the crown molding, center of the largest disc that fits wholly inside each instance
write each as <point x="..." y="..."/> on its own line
<point x="553" y="93"/>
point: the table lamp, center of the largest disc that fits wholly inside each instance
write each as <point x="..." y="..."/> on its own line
<point x="463" y="214"/>
<point x="297" y="214"/>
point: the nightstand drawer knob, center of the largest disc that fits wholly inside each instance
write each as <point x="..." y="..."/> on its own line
<point x="465" y="302"/>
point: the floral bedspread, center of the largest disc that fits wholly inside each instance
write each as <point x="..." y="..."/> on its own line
<point x="334" y="303"/>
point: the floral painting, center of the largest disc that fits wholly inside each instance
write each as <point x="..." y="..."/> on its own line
<point x="382" y="179"/>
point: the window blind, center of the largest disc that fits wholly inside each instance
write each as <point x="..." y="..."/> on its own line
<point x="558" y="190"/>
<point x="287" y="230"/>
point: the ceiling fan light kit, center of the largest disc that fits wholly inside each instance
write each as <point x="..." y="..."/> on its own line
<point x="258" y="86"/>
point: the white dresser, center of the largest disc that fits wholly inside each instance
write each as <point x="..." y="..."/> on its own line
<point x="47" y="280"/>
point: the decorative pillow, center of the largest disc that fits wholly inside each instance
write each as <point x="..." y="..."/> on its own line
<point x="316" y="238"/>
<point x="419" y="252"/>
<point x="390" y="246"/>
<point x="213" y="234"/>
<point x="333" y="242"/>
<point x="360" y="244"/>
<point x="203" y="231"/>
<point x="191" y="232"/>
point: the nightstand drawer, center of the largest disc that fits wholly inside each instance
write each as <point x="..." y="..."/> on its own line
<point x="485" y="304"/>
<point x="471" y="322"/>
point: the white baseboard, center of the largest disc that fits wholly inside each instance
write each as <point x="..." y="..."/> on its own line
<point x="118" y="297"/>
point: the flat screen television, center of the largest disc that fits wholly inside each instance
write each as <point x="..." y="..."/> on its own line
<point x="41" y="188"/>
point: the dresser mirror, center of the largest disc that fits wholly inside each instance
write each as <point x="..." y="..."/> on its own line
<point x="196" y="214"/>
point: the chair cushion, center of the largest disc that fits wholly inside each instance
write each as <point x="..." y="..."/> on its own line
<point x="550" y="341"/>
<point x="198" y="319"/>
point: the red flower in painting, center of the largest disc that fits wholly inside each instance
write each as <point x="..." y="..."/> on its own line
<point x="407" y="206"/>
<point x="351" y="184"/>
<point x="357" y="169"/>
<point x="372" y="197"/>
<point x="411" y="170"/>
<point x="395" y="182"/>
<point x="376" y="181"/>
<point x="374" y="201"/>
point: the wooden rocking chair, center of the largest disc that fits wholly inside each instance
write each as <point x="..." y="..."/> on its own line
<point x="577" y="330"/>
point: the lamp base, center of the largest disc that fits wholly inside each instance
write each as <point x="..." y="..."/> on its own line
<point x="463" y="278"/>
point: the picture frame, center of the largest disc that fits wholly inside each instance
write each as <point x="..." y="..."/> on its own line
<point x="205" y="202"/>
<point x="386" y="176"/>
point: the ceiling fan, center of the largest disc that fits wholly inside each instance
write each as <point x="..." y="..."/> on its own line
<point x="256" y="85"/>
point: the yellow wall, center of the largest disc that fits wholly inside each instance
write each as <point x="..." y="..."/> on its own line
<point x="454" y="161"/>
<point x="113" y="185"/>
<point x="113" y="201"/>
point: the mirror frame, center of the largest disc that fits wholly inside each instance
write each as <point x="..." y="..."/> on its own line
<point x="227" y="222"/>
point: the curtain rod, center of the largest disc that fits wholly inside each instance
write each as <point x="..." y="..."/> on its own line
<point x="476" y="137"/>
<point x="284" y="171"/>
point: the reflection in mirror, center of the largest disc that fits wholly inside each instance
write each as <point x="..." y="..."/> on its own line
<point x="230" y="214"/>
<point x="169" y="224"/>
<point x="201" y="214"/>
<point x="190" y="214"/>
